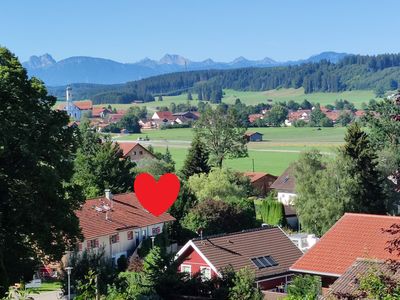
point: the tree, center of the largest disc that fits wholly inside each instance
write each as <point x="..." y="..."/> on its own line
<point x="306" y="104"/>
<point x="130" y="122"/>
<point x="379" y="91"/>
<point x="222" y="135"/>
<point x="277" y="115"/>
<point x="369" y="197"/>
<point x="196" y="160"/>
<point x="36" y="166"/>
<point x="305" y="287"/>
<point x="100" y="165"/>
<point x="317" y="117"/>
<point x="155" y="167"/>
<point x="160" y="98"/>
<point x="219" y="184"/>
<point x="172" y="107"/>
<point x="189" y="96"/>
<point x="243" y="288"/>
<point x="272" y="212"/>
<point x="167" y="158"/>
<point x="345" y="118"/>
<point x="215" y="216"/>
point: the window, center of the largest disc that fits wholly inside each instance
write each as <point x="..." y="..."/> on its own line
<point x="134" y="152"/>
<point x="141" y="152"/>
<point x="264" y="262"/>
<point x="143" y="234"/>
<point x="186" y="269"/>
<point x="205" y="273"/>
<point x="114" y="239"/>
<point x="91" y="244"/>
<point x="130" y="235"/>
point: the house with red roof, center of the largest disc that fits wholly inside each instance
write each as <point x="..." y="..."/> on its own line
<point x="160" y="118"/>
<point x="117" y="223"/>
<point x="261" y="182"/>
<point x="100" y="112"/>
<point x="353" y="237"/>
<point x="267" y="251"/>
<point x="135" y="151"/>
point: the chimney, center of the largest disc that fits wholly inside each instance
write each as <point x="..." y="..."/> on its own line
<point x="109" y="196"/>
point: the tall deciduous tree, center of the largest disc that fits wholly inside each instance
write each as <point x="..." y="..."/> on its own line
<point x="36" y="154"/>
<point x="277" y="115"/>
<point x="100" y="165"/>
<point x="222" y="134"/>
<point x="196" y="160"/>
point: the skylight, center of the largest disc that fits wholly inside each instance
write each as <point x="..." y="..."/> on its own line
<point x="264" y="262"/>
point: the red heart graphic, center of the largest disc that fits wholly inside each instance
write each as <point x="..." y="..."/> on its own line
<point x="155" y="196"/>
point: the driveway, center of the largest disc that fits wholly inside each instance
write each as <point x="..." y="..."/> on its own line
<point x="48" y="296"/>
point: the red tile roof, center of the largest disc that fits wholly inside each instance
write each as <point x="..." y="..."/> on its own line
<point x="255" y="117"/>
<point x="96" y="111"/>
<point x="353" y="236"/>
<point x="165" y="115"/>
<point x="126" y="213"/>
<point x="114" y="118"/>
<point x="254" y="176"/>
<point x="303" y="114"/>
<point x="127" y="147"/>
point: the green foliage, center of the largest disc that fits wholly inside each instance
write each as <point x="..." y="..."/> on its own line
<point x="272" y="212"/>
<point x="357" y="152"/>
<point x="380" y="286"/>
<point x="319" y="119"/>
<point x="196" y="160"/>
<point x="305" y="287"/>
<point x="215" y="216"/>
<point x="155" y="167"/>
<point x="100" y="165"/>
<point x="222" y="134"/>
<point x="345" y="118"/>
<point x="36" y="166"/>
<point x="219" y="184"/>
<point x="87" y="287"/>
<point x="243" y="286"/>
<point x="277" y="115"/>
<point x="88" y="263"/>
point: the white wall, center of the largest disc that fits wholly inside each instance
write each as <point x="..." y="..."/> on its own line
<point x="286" y="198"/>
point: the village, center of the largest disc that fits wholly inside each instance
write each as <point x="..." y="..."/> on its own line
<point x="199" y="150"/>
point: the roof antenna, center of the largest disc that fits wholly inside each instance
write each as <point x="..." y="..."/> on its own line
<point x="200" y="232"/>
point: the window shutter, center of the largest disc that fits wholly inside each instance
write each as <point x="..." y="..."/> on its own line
<point x="88" y="244"/>
<point x="97" y="243"/>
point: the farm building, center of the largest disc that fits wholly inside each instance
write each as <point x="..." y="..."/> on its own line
<point x="253" y="136"/>
<point x="135" y="151"/>
<point x="261" y="182"/>
<point x="285" y="185"/>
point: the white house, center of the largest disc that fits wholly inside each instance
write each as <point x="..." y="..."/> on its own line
<point x="303" y="241"/>
<point x="285" y="185"/>
<point x="117" y="223"/>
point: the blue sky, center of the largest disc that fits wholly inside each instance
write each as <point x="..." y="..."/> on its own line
<point x="129" y="30"/>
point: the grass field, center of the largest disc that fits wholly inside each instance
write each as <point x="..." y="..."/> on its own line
<point x="280" y="147"/>
<point x="49" y="286"/>
<point x="252" y="98"/>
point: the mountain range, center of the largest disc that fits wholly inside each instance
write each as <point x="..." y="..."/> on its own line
<point x="84" y="69"/>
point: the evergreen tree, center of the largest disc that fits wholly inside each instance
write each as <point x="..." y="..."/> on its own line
<point x="100" y="165"/>
<point x="196" y="160"/>
<point x="189" y="96"/>
<point x="369" y="197"/>
<point x="160" y="98"/>
<point x="167" y="158"/>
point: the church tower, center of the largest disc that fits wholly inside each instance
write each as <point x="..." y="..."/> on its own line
<point x="68" y="96"/>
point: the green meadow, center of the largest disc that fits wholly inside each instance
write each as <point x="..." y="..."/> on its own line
<point x="252" y="98"/>
<point x="280" y="146"/>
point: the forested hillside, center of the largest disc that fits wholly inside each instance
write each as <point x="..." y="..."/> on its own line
<point x="381" y="72"/>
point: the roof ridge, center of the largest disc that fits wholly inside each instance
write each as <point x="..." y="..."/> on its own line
<point x="370" y="215"/>
<point x="103" y="196"/>
<point x="234" y="233"/>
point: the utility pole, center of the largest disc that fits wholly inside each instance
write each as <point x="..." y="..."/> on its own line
<point x="97" y="287"/>
<point x="253" y="163"/>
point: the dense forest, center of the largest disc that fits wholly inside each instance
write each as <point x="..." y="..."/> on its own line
<point x="352" y="72"/>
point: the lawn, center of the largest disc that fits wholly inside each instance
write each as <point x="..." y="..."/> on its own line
<point x="49" y="286"/>
<point x="280" y="147"/>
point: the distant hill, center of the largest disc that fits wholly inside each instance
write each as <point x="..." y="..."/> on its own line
<point x="353" y="72"/>
<point x="84" y="69"/>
